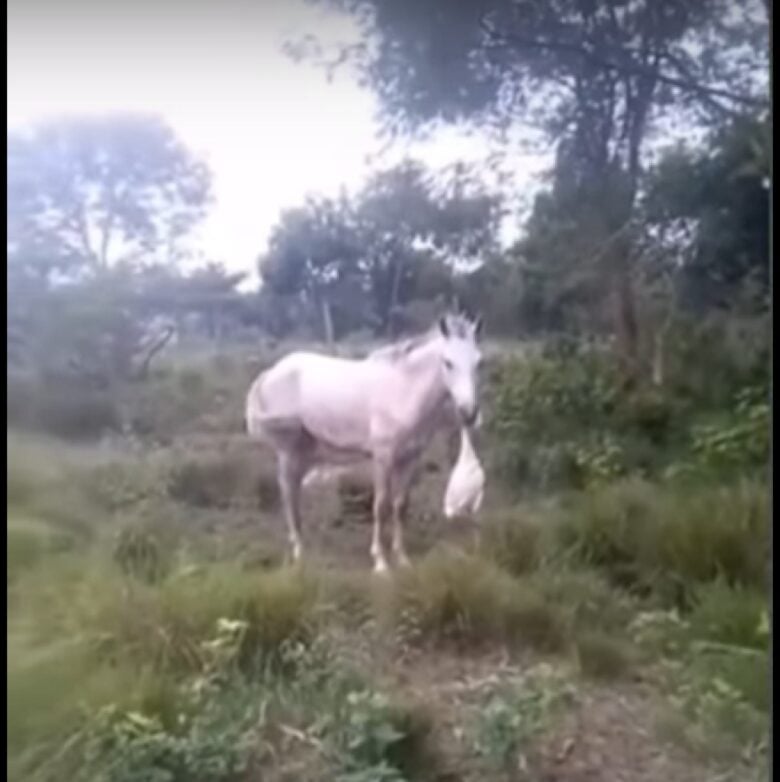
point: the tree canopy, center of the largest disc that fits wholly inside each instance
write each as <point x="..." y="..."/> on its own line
<point x="88" y="193"/>
<point x="364" y="260"/>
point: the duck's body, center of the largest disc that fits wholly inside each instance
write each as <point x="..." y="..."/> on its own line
<point x="466" y="485"/>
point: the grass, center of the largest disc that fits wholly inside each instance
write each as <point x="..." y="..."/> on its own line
<point x="455" y="597"/>
<point x="164" y="625"/>
<point x="601" y="656"/>
<point x="673" y="538"/>
<point x="152" y="631"/>
<point x="513" y="541"/>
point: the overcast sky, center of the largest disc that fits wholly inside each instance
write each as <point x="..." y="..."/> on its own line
<point x="271" y="130"/>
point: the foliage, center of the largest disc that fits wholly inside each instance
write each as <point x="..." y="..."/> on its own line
<point x="718" y="690"/>
<point x="138" y="553"/>
<point x="601" y="656"/>
<point x="671" y="540"/>
<point x="512" y="541"/>
<point x="214" y="746"/>
<point x="461" y="599"/>
<point x="516" y="713"/>
<point x="368" y="260"/>
<point x="88" y="192"/>
<point x="564" y="419"/>
<point x="743" y="441"/>
<point x="720" y="197"/>
<point x="597" y="79"/>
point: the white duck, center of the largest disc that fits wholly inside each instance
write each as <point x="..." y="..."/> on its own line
<point x="466" y="485"/>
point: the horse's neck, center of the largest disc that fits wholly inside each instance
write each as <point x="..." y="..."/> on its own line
<point x="425" y="383"/>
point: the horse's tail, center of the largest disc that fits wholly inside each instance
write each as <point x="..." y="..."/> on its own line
<point x="255" y="408"/>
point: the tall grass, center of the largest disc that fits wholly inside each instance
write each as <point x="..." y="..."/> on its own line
<point x="670" y="539"/>
<point x="452" y="597"/>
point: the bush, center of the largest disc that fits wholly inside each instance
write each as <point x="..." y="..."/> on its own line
<point x="61" y="407"/>
<point x="512" y="542"/>
<point x="377" y="738"/>
<point x="221" y="480"/>
<point x="141" y="554"/>
<point x="600" y="656"/>
<point x="566" y="419"/>
<point x="548" y="393"/>
<point x="356" y="497"/>
<point x="730" y="615"/>
<point x="28" y="541"/>
<point x="739" y="441"/>
<point x="710" y="359"/>
<point x="516" y="712"/>
<point x="163" y="627"/>
<point x="454" y="597"/>
<point x="671" y="538"/>
<point x="585" y="598"/>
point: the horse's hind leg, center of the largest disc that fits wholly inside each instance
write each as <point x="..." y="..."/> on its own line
<point x="401" y="485"/>
<point x="292" y="469"/>
<point x="381" y="507"/>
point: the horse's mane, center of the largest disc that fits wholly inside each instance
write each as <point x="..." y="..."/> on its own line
<point x="402" y="348"/>
<point x="399" y="350"/>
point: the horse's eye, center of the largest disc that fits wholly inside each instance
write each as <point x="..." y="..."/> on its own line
<point x="447" y="364"/>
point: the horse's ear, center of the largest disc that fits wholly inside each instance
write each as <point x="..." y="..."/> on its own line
<point x="444" y="327"/>
<point x="478" y="326"/>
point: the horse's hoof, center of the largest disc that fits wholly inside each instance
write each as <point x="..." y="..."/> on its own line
<point x="381" y="568"/>
<point x="403" y="561"/>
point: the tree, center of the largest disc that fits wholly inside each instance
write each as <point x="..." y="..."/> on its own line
<point x="313" y="253"/>
<point x="88" y="193"/>
<point x="362" y="262"/>
<point x="711" y="207"/>
<point x="417" y="230"/>
<point x="594" y="75"/>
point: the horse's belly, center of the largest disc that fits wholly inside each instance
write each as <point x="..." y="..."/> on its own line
<point x="327" y="453"/>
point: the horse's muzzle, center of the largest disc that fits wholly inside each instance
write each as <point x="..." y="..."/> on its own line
<point x="469" y="417"/>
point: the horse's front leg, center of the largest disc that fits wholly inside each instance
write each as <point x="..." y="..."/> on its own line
<point x="381" y="507"/>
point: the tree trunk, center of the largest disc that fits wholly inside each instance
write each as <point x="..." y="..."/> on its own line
<point x="327" y="320"/>
<point x="659" y="359"/>
<point x="624" y="315"/>
<point x="394" y="293"/>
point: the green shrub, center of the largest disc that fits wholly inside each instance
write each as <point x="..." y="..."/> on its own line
<point x="539" y="400"/>
<point x="141" y="554"/>
<point x="712" y="358"/>
<point x="566" y="419"/>
<point x="512" y="541"/>
<point x="585" y="598"/>
<point x="671" y="538"/>
<point x="61" y="407"/>
<point x="601" y="656"/>
<point x="516" y="712"/>
<point x="29" y="540"/>
<point x="730" y="615"/>
<point x="163" y="626"/>
<point x="220" y="480"/>
<point x="378" y="739"/>
<point x="454" y="597"/>
<point x="739" y="441"/>
<point x="356" y="497"/>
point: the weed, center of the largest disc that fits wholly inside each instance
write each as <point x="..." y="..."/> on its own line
<point x="512" y="541"/>
<point x="601" y="656"/>
<point x="670" y="539"/>
<point x="451" y="596"/>
<point x="515" y="713"/>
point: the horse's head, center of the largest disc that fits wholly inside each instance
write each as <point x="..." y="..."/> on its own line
<point x="460" y="359"/>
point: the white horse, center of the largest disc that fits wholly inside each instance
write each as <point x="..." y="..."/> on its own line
<point x="318" y="410"/>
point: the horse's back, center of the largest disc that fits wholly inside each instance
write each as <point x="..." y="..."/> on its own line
<point x="299" y="387"/>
